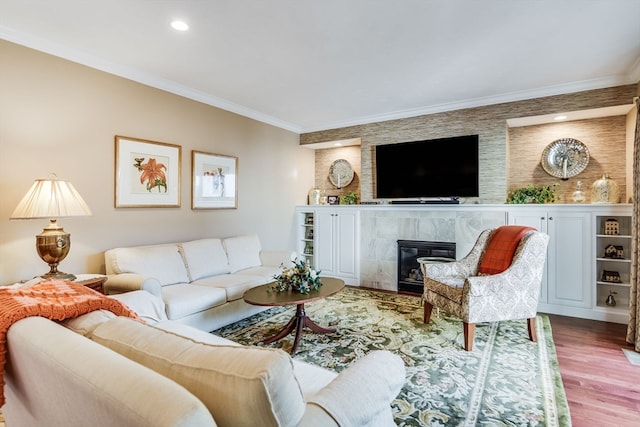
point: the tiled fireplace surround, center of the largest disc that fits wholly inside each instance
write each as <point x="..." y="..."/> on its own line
<point x="381" y="228"/>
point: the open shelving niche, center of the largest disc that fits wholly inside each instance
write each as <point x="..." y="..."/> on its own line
<point x="619" y="262"/>
<point x="306" y="242"/>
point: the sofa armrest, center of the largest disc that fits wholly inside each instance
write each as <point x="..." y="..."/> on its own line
<point x="277" y="258"/>
<point x="381" y="373"/>
<point x="127" y="282"/>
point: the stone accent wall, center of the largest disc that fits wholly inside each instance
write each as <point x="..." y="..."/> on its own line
<point x="489" y="122"/>
<point x="380" y="229"/>
<point x="604" y="137"/>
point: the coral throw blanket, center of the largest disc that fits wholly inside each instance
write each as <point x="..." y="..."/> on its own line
<point x="500" y="249"/>
<point x="53" y="299"/>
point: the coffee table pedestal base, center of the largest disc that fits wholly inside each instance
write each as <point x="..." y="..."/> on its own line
<point x="298" y="322"/>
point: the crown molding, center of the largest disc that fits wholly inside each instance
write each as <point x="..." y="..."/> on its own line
<point x="133" y="74"/>
<point x="562" y="89"/>
<point x="129" y="73"/>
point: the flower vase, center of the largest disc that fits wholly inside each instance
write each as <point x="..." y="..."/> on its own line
<point x="314" y="196"/>
<point x="578" y="195"/>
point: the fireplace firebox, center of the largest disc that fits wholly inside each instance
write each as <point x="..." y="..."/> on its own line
<point x="409" y="274"/>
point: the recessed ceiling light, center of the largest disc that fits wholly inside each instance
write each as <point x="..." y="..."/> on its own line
<point x="560" y="118"/>
<point x="180" y="25"/>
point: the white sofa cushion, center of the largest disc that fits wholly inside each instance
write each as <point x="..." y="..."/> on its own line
<point x="234" y="285"/>
<point x="163" y="262"/>
<point x="184" y="299"/>
<point x="241" y="386"/>
<point x="311" y="378"/>
<point x="148" y="307"/>
<point x="204" y="258"/>
<point x="86" y="323"/>
<point x="264" y="271"/>
<point x="243" y="252"/>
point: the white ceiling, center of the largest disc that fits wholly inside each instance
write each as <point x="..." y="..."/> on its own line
<point x="308" y="65"/>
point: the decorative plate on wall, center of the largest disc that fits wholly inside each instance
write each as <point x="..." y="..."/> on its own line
<point x="340" y="173"/>
<point x="564" y="158"/>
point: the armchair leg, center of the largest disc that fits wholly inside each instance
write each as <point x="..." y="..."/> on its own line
<point x="427" y="312"/>
<point x="531" y="327"/>
<point x="469" y="330"/>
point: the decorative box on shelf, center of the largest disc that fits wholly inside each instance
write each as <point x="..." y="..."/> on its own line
<point x="614" y="252"/>
<point x="611" y="227"/>
<point x="610" y="276"/>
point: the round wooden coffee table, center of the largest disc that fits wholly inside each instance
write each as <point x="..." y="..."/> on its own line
<point x="263" y="295"/>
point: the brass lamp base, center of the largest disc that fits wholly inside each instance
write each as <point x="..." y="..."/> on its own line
<point x="58" y="275"/>
<point x="53" y="245"/>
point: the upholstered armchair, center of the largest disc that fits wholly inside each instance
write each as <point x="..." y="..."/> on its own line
<point x="475" y="290"/>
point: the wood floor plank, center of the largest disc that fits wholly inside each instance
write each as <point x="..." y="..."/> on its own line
<point x="602" y="386"/>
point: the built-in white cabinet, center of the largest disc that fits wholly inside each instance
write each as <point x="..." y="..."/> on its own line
<point x="329" y="239"/>
<point x="588" y="259"/>
<point x="336" y="243"/>
<point x="568" y="255"/>
<point x="306" y="231"/>
<point x="612" y="263"/>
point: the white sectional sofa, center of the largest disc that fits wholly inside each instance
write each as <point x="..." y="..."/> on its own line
<point x="102" y="370"/>
<point x="201" y="282"/>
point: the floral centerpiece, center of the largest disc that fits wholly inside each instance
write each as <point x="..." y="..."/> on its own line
<point x="299" y="278"/>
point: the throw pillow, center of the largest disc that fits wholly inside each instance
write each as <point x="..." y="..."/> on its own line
<point x="204" y="258"/>
<point x="243" y="252"/>
<point x="163" y="262"/>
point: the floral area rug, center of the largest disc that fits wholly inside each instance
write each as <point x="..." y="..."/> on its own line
<point x="506" y="380"/>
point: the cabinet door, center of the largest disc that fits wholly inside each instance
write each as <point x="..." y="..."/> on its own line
<point x="346" y="241"/>
<point x="325" y="242"/>
<point x="568" y="259"/>
<point x="537" y="220"/>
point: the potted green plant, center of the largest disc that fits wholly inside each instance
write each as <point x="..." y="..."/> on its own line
<point x="535" y="194"/>
<point x="351" y="198"/>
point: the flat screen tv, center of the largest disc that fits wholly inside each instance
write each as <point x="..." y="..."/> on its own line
<point x="445" y="168"/>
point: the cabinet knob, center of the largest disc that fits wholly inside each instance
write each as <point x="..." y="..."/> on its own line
<point x="550" y="217"/>
<point x="542" y="218"/>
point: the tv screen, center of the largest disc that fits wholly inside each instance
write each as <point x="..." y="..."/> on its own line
<point x="437" y="168"/>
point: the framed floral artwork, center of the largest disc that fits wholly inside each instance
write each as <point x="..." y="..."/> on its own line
<point x="214" y="181"/>
<point x="147" y="173"/>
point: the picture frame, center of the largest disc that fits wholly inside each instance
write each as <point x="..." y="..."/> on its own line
<point x="214" y="181"/>
<point x="333" y="200"/>
<point x="147" y="173"/>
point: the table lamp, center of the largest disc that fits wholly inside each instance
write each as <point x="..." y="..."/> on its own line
<point x="52" y="198"/>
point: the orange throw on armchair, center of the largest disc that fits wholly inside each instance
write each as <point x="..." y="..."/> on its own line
<point x="53" y="299"/>
<point x="500" y="249"/>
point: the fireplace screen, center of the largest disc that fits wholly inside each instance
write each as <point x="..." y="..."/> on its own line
<point x="409" y="274"/>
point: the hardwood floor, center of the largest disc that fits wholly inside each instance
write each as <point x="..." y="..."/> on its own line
<point x="602" y="387"/>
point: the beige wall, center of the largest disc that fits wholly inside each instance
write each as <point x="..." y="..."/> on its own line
<point x="489" y="122"/>
<point x="58" y="116"/>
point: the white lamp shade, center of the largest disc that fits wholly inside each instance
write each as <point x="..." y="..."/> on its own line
<point x="51" y="198"/>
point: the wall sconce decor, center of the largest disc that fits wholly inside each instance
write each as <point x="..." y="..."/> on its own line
<point x="564" y="158"/>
